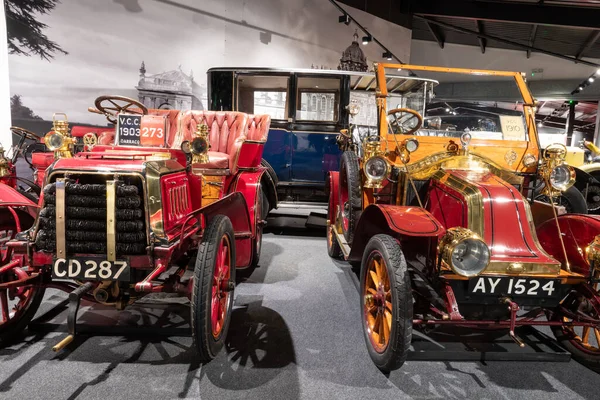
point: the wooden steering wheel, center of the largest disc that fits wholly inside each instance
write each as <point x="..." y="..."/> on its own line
<point x="111" y="106"/>
<point x="405" y="122"/>
<point x="24" y="133"/>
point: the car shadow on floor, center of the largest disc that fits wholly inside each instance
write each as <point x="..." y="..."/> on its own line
<point x="257" y="349"/>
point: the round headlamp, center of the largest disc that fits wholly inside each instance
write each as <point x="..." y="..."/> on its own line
<point x="54" y="141"/>
<point x="464" y="252"/>
<point x="376" y="168"/>
<point x="199" y="145"/>
<point x="562" y="177"/>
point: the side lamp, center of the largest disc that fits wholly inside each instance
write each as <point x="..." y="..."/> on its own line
<point x="59" y="140"/>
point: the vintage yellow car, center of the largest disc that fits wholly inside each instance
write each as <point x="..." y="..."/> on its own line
<point x="442" y="220"/>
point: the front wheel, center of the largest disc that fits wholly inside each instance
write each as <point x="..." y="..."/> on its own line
<point x="386" y="302"/>
<point x="214" y="283"/>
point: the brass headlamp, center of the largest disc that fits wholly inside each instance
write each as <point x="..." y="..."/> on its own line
<point x="199" y="145"/>
<point x="593" y="256"/>
<point x="59" y="139"/>
<point x="464" y="251"/>
<point x="4" y="165"/>
<point x="557" y="175"/>
<point x="375" y="165"/>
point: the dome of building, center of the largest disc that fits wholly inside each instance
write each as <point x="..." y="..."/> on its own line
<point x="353" y="58"/>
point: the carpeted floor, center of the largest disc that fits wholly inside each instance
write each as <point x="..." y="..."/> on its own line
<point x="295" y="333"/>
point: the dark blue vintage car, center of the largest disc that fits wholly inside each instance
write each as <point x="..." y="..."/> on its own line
<point x="308" y="108"/>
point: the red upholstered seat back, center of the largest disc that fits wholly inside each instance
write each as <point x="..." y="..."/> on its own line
<point x="227" y="129"/>
<point x="258" y="127"/>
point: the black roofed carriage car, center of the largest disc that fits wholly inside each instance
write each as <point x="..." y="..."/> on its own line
<point x="444" y="223"/>
<point x="168" y="201"/>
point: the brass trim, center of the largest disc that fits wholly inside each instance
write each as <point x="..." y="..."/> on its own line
<point x="472" y="195"/>
<point x="111" y="235"/>
<point x="61" y="245"/>
<point x="211" y="171"/>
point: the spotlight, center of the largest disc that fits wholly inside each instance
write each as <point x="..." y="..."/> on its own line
<point x="387" y="55"/>
<point x="591" y="79"/>
<point x="344" y="19"/>
<point x="598" y="71"/>
<point x="540" y="124"/>
<point x="366" y="39"/>
<point x="447" y="110"/>
<point x="580" y="88"/>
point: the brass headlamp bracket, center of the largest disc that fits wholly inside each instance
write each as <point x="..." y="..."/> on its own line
<point x="553" y="157"/>
<point x="4" y="165"/>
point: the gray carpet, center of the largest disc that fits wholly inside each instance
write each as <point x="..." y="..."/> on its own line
<point x="295" y="333"/>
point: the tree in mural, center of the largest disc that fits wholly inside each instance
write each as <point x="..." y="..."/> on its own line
<point x="20" y="111"/>
<point x="25" y="33"/>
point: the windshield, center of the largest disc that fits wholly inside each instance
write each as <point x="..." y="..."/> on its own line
<point x="488" y="105"/>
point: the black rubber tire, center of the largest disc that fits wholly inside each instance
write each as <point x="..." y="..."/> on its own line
<point x="9" y="333"/>
<point x="207" y="346"/>
<point x="572" y="199"/>
<point x="402" y="312"/>
<point x="269" y="186"/>
<point x="350" y="181"/>
<point x="564" y="339"/>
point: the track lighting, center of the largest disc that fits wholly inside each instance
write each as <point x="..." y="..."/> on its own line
<point x="366" y="39"/>
<point x="387" y="55"/>
<point x="344" y="19"/>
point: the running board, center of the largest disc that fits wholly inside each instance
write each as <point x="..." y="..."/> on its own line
<point x="343" y="244"/>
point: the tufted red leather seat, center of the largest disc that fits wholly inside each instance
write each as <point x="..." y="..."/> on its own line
<point x="258" y="127"/>
<point x="108" y="137"/>
<point x="227" y="131"/>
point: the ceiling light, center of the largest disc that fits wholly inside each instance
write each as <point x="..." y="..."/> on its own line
<point x="591" y="79"/>
<point x="540" y="124"/>
<point x="580" y="88"/>
<point x="344" y="19"/>
<point x="447" y="110"/>
<point x="366" y="39"/>
<point x="598" y="71"/>
<point x="387" y="55"/>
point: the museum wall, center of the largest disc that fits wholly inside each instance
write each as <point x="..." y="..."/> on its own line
<point x="106" y="41"/>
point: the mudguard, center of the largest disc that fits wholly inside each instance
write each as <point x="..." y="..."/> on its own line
<point x="10" y="197"/>
<point x="234" y="206"/>
<point x="397" y="221"/>
<point x="248" y="184"/>
<point x="577" y="231"/>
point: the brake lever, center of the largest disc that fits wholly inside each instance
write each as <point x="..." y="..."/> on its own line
<point x="95" y="110"/>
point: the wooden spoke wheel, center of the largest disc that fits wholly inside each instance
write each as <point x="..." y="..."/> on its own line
<point x="583" y="342"/>
<point x="350" y="194"/>
<point x="386" y="302"/>
<point x="261" y="211"/>
<point x="214" y="283"/>
<point x="333" y="247"/>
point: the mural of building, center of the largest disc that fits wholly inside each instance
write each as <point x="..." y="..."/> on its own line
<point x="169" y="90"/>
<point x="353" y="58"/>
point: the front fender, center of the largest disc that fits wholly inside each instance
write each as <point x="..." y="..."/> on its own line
<point x="577" y="231"/>
<point x="583" y="177"/>
<point x="589" y="168"/>
<point x="401" y="222"/>
<point x="10" y="197"/>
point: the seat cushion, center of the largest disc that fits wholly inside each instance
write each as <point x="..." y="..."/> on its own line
<point x="216" y="160"/>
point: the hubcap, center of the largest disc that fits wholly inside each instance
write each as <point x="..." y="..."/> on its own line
<point x="377" y="302"/>
<point x="222" y="287"/>
<point x="13" y="301"/>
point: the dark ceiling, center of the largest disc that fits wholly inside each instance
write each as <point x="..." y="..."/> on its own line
<point x="563" y="28"/>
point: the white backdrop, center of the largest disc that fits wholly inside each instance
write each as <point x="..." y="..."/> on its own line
<point x="108" y="39"/>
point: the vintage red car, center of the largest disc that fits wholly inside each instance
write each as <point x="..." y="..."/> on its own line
<point x="169" y="201"/>
<point x="443" y="223"/>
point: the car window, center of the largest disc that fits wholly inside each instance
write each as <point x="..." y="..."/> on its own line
<point x="258" y="94"/>
<point x="318" y="99"/>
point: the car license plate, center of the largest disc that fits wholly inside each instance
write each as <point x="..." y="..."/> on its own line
<point x="513" y="286"/>
<point x="95" y="269"/>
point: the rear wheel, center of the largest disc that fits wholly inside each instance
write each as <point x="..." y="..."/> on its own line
<point x="333" y="247"/>
<point x="350" y="199"/>
<point x="214" y="283"/>
<point x="256" y="243"/>
<point x="582" y="342"/>
<point x="386" y="302"/>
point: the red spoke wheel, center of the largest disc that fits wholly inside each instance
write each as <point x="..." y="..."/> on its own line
<point x="214" y="283"/>
<point x="386" y="302"/>
<point x="582" y="342"/>
<point x="17" y="305"/>
<point x="350" y="194"/>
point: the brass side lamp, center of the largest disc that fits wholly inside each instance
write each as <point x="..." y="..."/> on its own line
<point x="59" y="140"/>
<point x="4" y="165"/>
